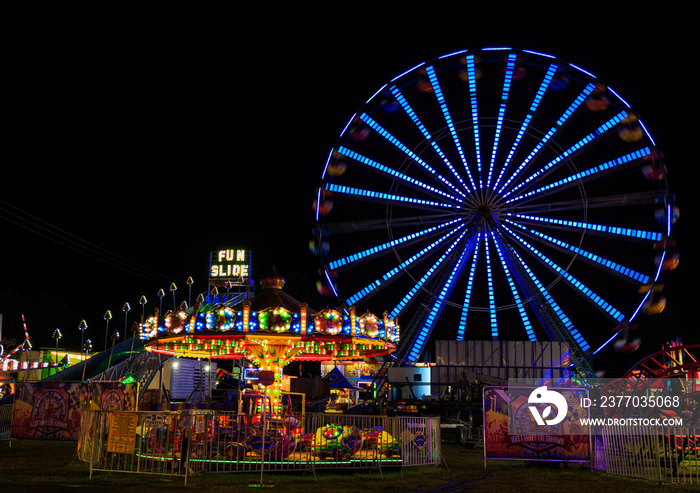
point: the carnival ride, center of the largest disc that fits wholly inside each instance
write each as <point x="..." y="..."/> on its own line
<point x="270" y="330"/>
<point x="497" y="193"/>
<point x="670" y="372"/>
<point x="284" y="437"/>
<point x="662" y="386"/>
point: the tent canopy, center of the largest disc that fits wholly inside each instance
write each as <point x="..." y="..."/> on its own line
<point x="338" y="381"/>
<point x="5" y="378"/>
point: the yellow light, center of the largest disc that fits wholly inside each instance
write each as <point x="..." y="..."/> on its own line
<point x="353" y="322"/>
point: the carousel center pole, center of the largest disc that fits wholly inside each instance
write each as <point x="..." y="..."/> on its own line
<point x="272" y="355"/>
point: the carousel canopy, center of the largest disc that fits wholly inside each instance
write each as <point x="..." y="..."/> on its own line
<point x="272" y="296"/>
<point x="271" y="326"/>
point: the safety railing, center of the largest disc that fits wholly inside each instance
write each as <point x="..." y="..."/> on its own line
<point x="177" y="443"/>
<point x="142" y="442"/>
<point x="667" y="455"/>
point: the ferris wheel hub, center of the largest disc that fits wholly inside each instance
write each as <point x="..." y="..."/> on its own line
<point x="484" y="210"/>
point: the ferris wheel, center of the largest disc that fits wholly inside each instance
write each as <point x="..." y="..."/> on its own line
<point x="496" y="193"/>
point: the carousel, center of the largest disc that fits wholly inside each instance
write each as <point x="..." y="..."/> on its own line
<point x="269" y="330"/>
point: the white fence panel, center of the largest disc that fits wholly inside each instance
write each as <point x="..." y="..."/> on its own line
<point x="182" y="443"/>
<point x="670" y="455"/>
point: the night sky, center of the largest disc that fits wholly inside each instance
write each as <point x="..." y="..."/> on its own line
<point x="139" y="141"/>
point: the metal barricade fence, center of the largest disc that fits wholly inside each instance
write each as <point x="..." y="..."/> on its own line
<point x="679" y="455"/>
<point x="669" y="455"/>
<point x="143" y="442"/>
<point x="225" y="442"/>
<point x="248" y="443"/>
<point x="244" y="443"/>
<point x="374" y="441"/>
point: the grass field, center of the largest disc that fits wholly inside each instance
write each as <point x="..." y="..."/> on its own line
<point x="52" y="466"/>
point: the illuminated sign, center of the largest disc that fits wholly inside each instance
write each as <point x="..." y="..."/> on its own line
<point x="230" y="265"/>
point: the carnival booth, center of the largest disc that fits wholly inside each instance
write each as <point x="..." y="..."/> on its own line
<point x="344" y="395"/>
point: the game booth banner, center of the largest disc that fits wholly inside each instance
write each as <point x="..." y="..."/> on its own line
<point x="512" y="433"/>
<point x="53" y="410"/>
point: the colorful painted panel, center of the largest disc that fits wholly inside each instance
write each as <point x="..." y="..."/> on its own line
<point x="48" y="410"/>
<point x="52" y="410"/>
<point x="113" y="396"/>
<point x="510" y="430"/>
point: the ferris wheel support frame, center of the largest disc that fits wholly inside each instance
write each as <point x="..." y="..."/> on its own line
<point x="547" y="314"/>
<point x="417" y="325"/>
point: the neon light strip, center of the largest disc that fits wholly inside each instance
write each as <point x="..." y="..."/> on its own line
<point x="417" y="286"/>
<point x="448" y="119"/>
<point x="538" y="53"/>
<point x="518" y="301"/>
<point x="582" y="70"/>
<point x="653" y="142"/>
<point x="557" y="309"/>
<point x="613" y="230"/>
<point x="360" y="192"/>
<point x="492" y="300"/>
<point x="402" y="147"/>
<point x="331" y="283"/>
<point x="412" y="115"/>
<point x="376" y="249"/>
<point x="378" y="91"/>
<point x="626" y="271"/>
<point x="576" y="147"/>
<point x="461" y="329"/>
<point x="565" y="116"/>
<point x="409" y="261"/>
<point x="587" y="173"/>
<point x="377" y="283"/>
<point x="471" y="72"/>
<point x="607" y="307"/>
<point x="407" y="71"/>
<point x="452" y="54"/>
<point x="618" y="96"/>
<point x="427" y="328"/>
<point x="576" y="104"/>
<point x="526" y="122"/>
<point x="391" y="172"/>
<point x="510" y="67"/>
<point x="409" y="111"/>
